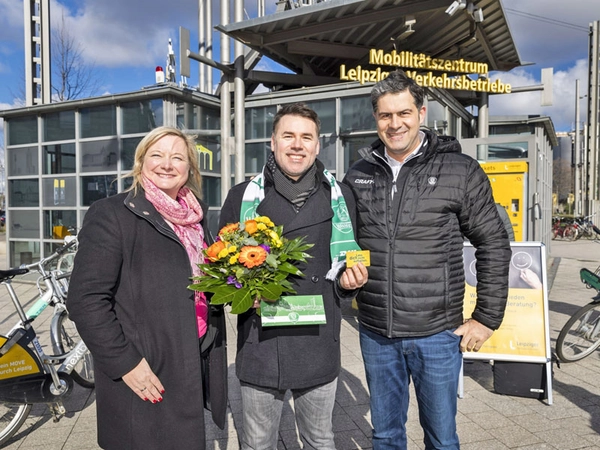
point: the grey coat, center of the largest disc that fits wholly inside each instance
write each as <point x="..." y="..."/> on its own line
<point x="128" y="296"/>
<point x="294" y="357"/>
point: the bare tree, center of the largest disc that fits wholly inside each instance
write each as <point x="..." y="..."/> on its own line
<point x="72" y="77"/>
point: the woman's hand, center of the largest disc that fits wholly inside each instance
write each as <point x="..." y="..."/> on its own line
<point x="144" y="383"/>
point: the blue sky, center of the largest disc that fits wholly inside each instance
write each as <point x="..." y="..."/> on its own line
<point x="126" y="40"/>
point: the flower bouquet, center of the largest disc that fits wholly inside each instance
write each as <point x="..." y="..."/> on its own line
<point x="250" y="260"/>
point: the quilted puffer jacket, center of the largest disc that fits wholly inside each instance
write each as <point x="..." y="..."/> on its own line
<point x="416" y="279"/>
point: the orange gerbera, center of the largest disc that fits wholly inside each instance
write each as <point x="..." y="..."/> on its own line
<point x="251" y="226"/>
<point x="229" y="228"/>
<point x="213" y="251"/>
<point x="252" y="256"/>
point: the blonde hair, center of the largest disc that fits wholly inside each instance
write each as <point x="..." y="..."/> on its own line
<point x="194" y="181"/>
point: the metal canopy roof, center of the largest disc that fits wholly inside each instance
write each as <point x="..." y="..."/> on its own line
<point x="314" y="40"/>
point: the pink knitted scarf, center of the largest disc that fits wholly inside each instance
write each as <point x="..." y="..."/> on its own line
<point x="184" y="216"/>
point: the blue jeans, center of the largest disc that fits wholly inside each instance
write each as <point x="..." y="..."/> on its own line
<point x="433" y="363"/>
<point x="261" y="413"/>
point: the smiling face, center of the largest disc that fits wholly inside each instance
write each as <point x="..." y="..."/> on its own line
<point x="398" y="121"/>
<point x="166" y="164"/>
<point x="295" y="144"/>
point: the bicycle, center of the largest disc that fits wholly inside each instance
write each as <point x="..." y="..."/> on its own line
<point x="580" y="336"/>
<point x="587" y="229"/>
<point x="564" y="229"/>
<point x="27" y="374"/>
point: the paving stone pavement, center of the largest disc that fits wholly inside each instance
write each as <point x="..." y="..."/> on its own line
<point x="486" y="420"/>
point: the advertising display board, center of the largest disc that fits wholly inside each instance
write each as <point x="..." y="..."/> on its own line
<point x="524" y="334"/>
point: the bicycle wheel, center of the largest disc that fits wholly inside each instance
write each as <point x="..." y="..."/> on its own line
<point x="580" y="336"/>
<point x="12" y="417"/>
<point x="67" y="337"/>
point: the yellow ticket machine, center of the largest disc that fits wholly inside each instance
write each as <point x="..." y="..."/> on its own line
<point x="509" y="185"/>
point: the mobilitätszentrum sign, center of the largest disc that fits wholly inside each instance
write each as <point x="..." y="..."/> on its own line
<point x="432" y="76"/>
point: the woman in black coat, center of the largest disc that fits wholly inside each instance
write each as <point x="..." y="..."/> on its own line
<point x="129" y="298"/>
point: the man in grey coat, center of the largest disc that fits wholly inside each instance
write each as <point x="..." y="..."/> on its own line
<point x="297" y="192"/>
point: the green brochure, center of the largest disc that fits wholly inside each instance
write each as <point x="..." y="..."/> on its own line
<point x="293" y="310"/>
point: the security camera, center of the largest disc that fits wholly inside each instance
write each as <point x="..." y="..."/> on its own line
<point x="478" y="15"/>
<point x="409" y="21"/>
<point x="455" y="6"/>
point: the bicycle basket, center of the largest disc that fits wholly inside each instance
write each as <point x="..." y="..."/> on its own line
<point x="590" y="279"/>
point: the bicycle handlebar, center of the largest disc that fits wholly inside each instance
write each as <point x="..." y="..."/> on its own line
<point x="42" y="262"/>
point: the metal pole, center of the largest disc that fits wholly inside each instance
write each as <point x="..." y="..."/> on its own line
<point x="592" y="181"/>
<point x="201" y="46"/>
<point x="225" y="109"/>
<point x="209" y="45"/>
<point x="577" y="155"/>
<point x="240" y="94"/>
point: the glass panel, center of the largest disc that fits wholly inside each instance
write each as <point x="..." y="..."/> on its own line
<point x="59" y="191"/>
<point x="22" y="161"/>
<point x="57" y="224"/>
<point x="259" y="122"/>
<point x="209" y="156"/>
<point x="142" y="116"/>
<point x="126" y="182"/>
<point x="356" y="114"/>
<point x="327" y="154"/>
<point x="351" y="147"/>
<point x="99" y="156"/>
<point x="59" y="126"/>
<point x="210" y="118"/>
<point x="98" y="121"/>
<point x="436" y="117"/>
<point x="24" y="193"/>
<point x="59" y="158"/>
<point x="454" y="119"/>
<point x="24" y="253"/>
<point x="508" y="150"/>
<point x="326" y="112"/>
<point x="256" y="156"/>
<point x="213" y="221"/>
<point x="96" y="187"/>
<point x="211" y="191"/>
<point x="24" y="224"/>
<point x="22" y="130"/>
<point x="128" y="152"/>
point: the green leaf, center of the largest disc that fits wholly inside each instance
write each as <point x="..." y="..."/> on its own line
<point x="242" y="302"/>
<point x="271" y="291"/>
<point x="226" y="294"/>
<point x="290" y="268"/>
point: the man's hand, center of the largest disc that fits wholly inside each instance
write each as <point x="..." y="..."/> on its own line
<point x="474" y="335"/>
<point x="354" y="277"/>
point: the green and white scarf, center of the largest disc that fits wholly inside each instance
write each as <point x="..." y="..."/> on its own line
<point x="342" y="232"/>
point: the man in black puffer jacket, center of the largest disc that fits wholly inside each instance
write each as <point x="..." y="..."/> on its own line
<point x="418" y="198"/>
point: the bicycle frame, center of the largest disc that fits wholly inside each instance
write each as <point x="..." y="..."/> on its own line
<point x="27" y="373"/>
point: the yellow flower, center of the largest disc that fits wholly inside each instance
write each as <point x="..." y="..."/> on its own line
<point x="261" y="226"/>
<point x="275" y="240"/>
<point x="265" y="220"/>
<point x="234" y="258"/>
<point x="231" y="249"/>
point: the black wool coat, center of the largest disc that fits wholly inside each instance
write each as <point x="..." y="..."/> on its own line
<point x="128" y="297"/>
<point x="294" y="357"/>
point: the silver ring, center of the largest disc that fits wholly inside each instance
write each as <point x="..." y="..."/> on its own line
<point x="143" y="389"/>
